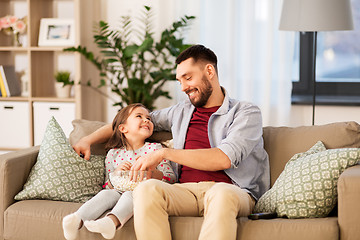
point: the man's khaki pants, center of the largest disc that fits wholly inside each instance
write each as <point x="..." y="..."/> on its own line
<point x="219" y="203"/>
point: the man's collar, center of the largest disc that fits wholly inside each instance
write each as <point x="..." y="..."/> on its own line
<point x="224" y="108"/>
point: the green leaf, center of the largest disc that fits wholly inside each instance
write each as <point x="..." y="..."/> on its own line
<point x="189" y="17"/>
<point x="135" y="83"/>
<point x="103" y="24"/>
<point x="129" y="51"/>
<point x="111" y="60"/>
<point x="108" y="53"/>
<point x="146" y="45"/>
<point x="102" y="83"/>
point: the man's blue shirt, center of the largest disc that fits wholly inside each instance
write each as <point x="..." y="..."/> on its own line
<point x="236" y="129"/>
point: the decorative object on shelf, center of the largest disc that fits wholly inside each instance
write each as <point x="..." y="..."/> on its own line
<point x="24" y="77"/>
<point x="10" y="82"/>
<point x="56" y="32"/>
<point x="311" y="16"/>
<point x="13" y="26"/>
<point x="63" y="84"/>
<point x="136" y="72"/>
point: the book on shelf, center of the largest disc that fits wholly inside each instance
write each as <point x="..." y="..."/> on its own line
<point x="11" y="83"/>
<point x="2" y="87"/>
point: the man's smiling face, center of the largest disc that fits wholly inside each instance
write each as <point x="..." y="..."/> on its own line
<point x="194" y="81"/>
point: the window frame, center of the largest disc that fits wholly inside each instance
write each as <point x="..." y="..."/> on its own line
<point x="327" y="93"/>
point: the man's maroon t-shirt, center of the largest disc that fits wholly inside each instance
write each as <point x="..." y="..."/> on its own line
<point x="197" y="138"/>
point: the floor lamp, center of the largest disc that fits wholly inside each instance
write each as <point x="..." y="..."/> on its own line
<point x="313" y="16"/>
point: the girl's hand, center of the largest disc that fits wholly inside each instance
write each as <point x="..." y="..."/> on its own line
<point x="82" y="148"/>
<point x="125" y="166"/>
<point x="156" y="174"/>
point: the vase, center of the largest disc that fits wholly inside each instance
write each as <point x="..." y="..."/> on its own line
<point x="62" y="91"/>
<point x="15" y="39"/>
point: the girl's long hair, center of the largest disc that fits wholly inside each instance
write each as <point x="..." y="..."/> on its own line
<point x="118" y="139"/>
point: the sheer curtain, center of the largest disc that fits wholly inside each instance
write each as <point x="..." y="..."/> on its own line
<point x="255" y="58"/>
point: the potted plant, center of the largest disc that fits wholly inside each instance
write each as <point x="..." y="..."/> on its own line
<point x="63" y="84"/>
<point x="132" y="63"/>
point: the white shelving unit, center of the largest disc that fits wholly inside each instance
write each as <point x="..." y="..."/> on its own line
<point x="39" y="65"/>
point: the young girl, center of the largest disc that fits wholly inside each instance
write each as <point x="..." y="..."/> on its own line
<point x="131" y="126"/>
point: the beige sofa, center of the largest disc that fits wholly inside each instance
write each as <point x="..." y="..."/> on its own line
<point x="41" y="219"/>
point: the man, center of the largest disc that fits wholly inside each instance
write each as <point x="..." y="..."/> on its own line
<point x="218" y="155"/>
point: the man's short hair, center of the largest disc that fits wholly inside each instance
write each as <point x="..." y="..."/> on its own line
<point x="198" y="53"/>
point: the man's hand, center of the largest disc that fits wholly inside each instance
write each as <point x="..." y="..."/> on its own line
<point x="82" y="147"/>
<point x="147" y="163"/>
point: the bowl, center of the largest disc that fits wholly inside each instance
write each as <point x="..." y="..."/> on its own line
<point x="120" y="180"/>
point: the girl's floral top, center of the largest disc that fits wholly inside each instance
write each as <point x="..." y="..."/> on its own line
<point x="116" y="156"/>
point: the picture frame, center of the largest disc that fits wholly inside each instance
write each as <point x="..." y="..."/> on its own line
<point x="56" y="32"/>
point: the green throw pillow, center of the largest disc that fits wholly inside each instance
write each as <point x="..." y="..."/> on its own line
<point x="59" y="173"/>
<point x="308" y="185"/>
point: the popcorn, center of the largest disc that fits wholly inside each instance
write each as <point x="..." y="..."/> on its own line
<point x="121" y="180"/>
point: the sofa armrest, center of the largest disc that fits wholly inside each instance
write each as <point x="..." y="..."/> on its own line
<point x="349" y="203"/>
<point x="14" y="171"/>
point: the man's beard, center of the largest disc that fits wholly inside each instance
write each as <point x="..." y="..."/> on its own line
<point x="205" y="93"/>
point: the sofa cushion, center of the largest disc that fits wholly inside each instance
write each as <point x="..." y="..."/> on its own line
<point x="286" y="229"/>
<point x="281" y="143"/>
<point x="41" y="219"/>
<point x="308" y="185"/>
<point x="36" y="219"/>
<point x="59" y="173"/>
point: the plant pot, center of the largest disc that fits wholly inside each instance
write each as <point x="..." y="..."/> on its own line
<point x="62" y="92"/>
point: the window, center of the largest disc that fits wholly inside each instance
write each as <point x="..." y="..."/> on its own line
<point x="337" y="66"/>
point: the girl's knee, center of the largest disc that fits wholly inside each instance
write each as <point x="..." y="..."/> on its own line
<point x="127" y="194"/>
<point x="106" y="193"/>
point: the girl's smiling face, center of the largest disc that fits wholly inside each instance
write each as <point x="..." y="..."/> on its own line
<point x="138" y="125"/>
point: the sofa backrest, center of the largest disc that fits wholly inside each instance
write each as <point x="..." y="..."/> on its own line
<point x="281" y="143"/>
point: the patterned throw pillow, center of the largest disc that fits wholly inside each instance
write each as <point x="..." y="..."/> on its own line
<point x="59" y="173"/>
<point x="308" y="185"/>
